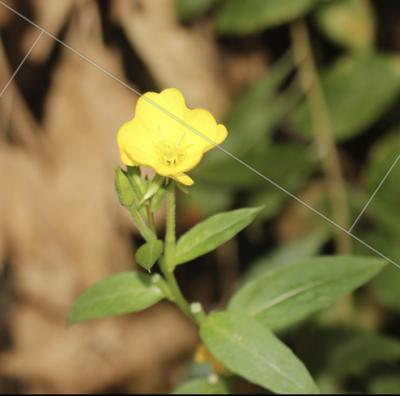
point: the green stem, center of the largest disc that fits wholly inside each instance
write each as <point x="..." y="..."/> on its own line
<point x="168" y="261"/>
<point x="323" y="131"/>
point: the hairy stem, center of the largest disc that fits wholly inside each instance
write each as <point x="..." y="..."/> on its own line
<point x="309" y="79"/>
<point x="167" y="263"/>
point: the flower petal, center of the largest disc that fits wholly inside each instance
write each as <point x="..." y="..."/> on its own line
<point x="205" y="129"/>
<point x="222" y="133"/>
<point x="135" y="144"/>
<point x="162" y="112"/>
<point x="183" y="178"/>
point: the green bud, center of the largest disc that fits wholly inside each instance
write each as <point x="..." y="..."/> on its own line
<point x="138" y="184"/>
<point x="153" y="187"/>
<point x="124" y="189"/>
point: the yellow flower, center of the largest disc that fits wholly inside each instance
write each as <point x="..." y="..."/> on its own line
<point x="203" y="355"/>
<point x="161" y="141"/>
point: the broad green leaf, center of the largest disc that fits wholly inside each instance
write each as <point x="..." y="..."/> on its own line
<point x="256" y="112"/>
<point x="354" y="356"/>
<point x="148" y="254"/>
<point x="212" y="232"/>
<point x="386" y="284"/>
<point x="289" y="253"/>
<point x="289" y="294"/>
<point x="190" y="9"/>
<point x="358" y="91"/>
<point x="292" y="165"/>
<point x="380" y="159"/>
<point x="202" y="386"/>
<point x="385" y="384"/>
<point x="244" y="17"/>
<point x="349" y="23"/>
<point x="249" y="349"/>
<point x="119" y="294"/>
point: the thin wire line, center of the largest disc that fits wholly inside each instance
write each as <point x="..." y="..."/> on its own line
<point x="200" y="134"/>
<point x="375" y="192"/>
<point x="21" y="64"/>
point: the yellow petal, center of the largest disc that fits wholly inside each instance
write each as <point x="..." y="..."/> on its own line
<point x="222" y="133"/>
<point x="162" y="112"/>
<point x="136" y="144"/>
<point x="205" y="127"/>
<point x="183" y="178"/>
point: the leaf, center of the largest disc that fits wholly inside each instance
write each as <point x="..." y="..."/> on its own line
<point x="148" y="254"/>
<point x="380" y="159"/>
<point x="153" y="188"/>
<point x="119" y="294"/>
<point x="251" y="350"/>
<point x="287" y="295"/>
<point x="255" y="111"/>
<point x="385" y="384"/>
<point x="289" y="253"/>
<point x="293" y="164"/>
<point x="202" y="386"/>
<point x="138" y="184"/>
<point x="354" y="356"/>
<point x="244" y="17"/>
<point x="349" y="23"/>
<point x="358" y="91"/>
<point x="209" y="234"/>
<point x="190" y="9"/>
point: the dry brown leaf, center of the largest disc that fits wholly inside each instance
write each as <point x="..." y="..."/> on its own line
<point x="66" y="230"/>
<point x="50" y="15"/>
<point x="185" y="58"/>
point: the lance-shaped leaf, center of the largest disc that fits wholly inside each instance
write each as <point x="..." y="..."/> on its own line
<point x="209" y="234"/>
<point x="119" y="294"/>
<point x="148" y="254"/>
<point x="251" y="350"/>
<point x="286" y="295"/>
<point x="243" y="17"/>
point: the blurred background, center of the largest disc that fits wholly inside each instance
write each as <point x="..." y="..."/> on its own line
<point x="309" y="90"/>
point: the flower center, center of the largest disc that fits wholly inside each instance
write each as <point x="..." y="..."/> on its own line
<point x="171" y="155"/>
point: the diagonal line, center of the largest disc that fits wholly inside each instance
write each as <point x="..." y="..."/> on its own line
<point x="202" y="135"/>
<point x="21" y="64"/>
<point x="375" y="192"/>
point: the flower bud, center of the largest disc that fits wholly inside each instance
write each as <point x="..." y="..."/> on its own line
<point x="124" y="189"/>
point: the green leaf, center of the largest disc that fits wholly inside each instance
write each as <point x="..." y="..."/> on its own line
<point x="293" y="163"/>
<point x="138" y="184"/>
<point x="202" y="386"/>
<point x="209" y="234"/>
<point x="349" y="23"/>
<point x="124" y="190"/>
<point x="289" y="294"/>
<point x="358" y="91"/>
<point x="153" y="187"/>
<point x="289" y="253"/>
<point x="385" y="384"/>
<point x="256" y="110"/>
<point x="119" y="294"/>
<point x="190" y="9"/>
<point x="244" y="17"/>
<point x="252" y="351"/>
<point x="354" y="356"/>
<point x="148" y="254"/>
